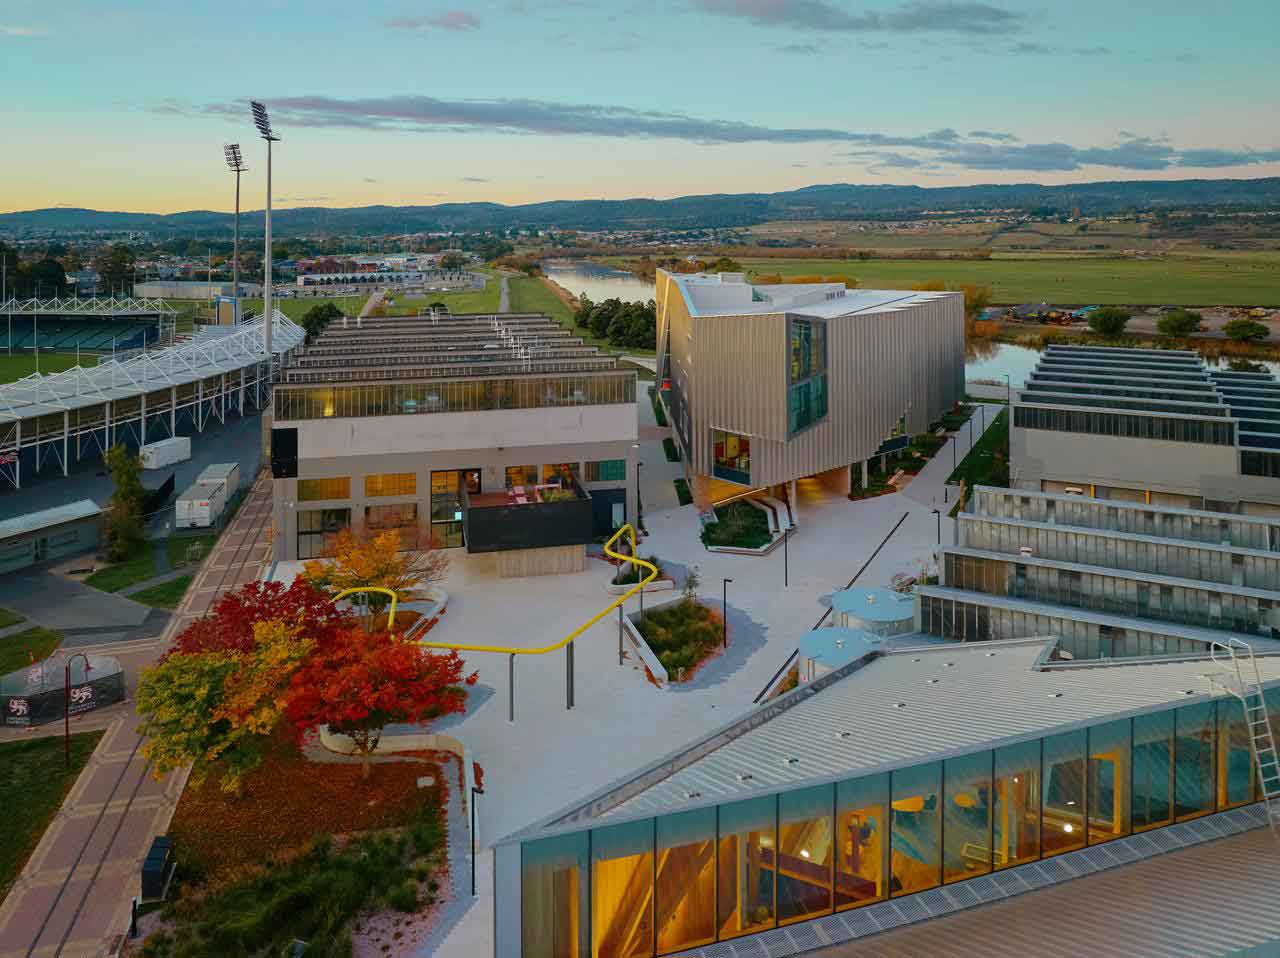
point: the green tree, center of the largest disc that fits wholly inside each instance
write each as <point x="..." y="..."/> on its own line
<point x="123" y="528"/>
<point x="1179" y="322"/>
<point x="724" y="265"/>
<point x="318" y="317"/>
<point x="44" y="278"/>
<point x="1109" y="320"/>
<point x="582" y="315"/>
<point x="452" y="261"/>
<point x="1246" y="331"/>
<point x="115" y="265"/>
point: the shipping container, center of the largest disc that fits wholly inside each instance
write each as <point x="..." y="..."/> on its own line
<point x="228" y="472"/>
<point x="200" y="506"/>
<point x="166" y="452"/>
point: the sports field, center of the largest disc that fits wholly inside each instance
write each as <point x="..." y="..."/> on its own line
<point x="295" y="309"/>
<point x="23" y="364"/>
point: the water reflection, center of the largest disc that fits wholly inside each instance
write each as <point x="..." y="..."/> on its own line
<point x="598" y="282"/>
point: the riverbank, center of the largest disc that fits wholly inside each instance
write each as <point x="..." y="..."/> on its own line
<point x="1212" y="345"/>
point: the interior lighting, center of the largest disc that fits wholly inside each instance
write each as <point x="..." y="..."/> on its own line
<point x="1068" y="828"/>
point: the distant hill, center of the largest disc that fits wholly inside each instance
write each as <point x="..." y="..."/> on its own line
<point x="832" y="201"/>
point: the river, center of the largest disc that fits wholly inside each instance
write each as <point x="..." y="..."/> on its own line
<point x="985" y="360"/>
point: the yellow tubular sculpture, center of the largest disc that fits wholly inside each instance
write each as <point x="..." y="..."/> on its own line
<point x="391" y="612"/>
<point x="608" y="550"/>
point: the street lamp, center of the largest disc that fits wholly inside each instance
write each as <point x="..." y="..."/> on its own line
<point x="236" y="163"/>
<point x="66" y="705"/>
<point x="475" y="790"/>
<point x="724" y="608"/>
<point x="263" y="123"/>
<point x="938" y="513"/>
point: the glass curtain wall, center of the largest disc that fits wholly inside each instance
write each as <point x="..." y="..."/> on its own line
<point x="1153" y="770"/>
<point x="745" y="873"/>
<point x="622" y="890"/>
<point x="686" y="880"/>
<point x="1015" y="826"/>
<point x="1235" y="756"/>
<point x="966" y="825"/>
<point x="1108" y="800"/>
<point x="861" y="846"/>
<point x="1194" y="761"/>
<point x="553" y="886"/>
<point x="804" y="853"/>
<point x="807" y="393"/>
<point x="914" y="856"/>
<point x="1064" y="770"/>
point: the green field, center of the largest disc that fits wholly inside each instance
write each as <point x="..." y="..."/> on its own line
<point x="1227" y="280"/>
<point x="34" y="644"/>
<point x="24" y="364"/>
<point x="166" y="595"/>
<point x="295" y="309"/>
<point x="471" y="301"/>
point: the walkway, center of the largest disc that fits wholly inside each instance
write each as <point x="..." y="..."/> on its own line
<point x="372" y="303"/>
<point x="73" y="897"/>
<point x="504" y="295"/>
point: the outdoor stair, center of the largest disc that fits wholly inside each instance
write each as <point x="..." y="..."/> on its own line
<point x="782" y="515"/>
<point x="1238" y="674"/>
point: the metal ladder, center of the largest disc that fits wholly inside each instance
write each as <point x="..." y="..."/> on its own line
<point x="1240" y="676"/>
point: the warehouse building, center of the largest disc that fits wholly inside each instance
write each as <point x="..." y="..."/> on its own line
<point x="49" y="534"/>
<point x="765" y="385"/>
<point x="1148" y="425"/>
<point x="501" y="433"/>
<point x="903" y="785"/>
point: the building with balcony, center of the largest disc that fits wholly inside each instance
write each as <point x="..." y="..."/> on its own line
<point x="495" y="433"/>
<point x="764" y="385"/>
<point x="903" y="785"/>
<point x="1110" y="578"/>
<point x="1148" y="425"/>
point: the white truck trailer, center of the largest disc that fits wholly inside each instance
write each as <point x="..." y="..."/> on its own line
<point x="166" y="452"/>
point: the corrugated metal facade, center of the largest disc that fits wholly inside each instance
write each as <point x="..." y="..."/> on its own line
<point x="731" y="372"/>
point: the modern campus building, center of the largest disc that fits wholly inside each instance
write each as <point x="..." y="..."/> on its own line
<point x="501" y="433"/>
<point x="903" y="785"/>
<point x="764" y="385"/>
<point x="1110" y="578"/>
<point x="1148" y="425"/>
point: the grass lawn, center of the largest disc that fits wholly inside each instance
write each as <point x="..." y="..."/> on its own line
<point x="296" y="308"/>
<point x="16" y="650"/>
<point x="18" y="365"/>
<point x="988" y="461"/>
<point x="8" y="617"/>
<point x="471" y="301"/>
<point x="184" y="550"/>
<point x="740" y="526"/>
<point x="681" y="635"/>
<point x="113" y="578"/>
<point x="32" y="788"/>
<point x="1227" y="280"/>
<point x="166" y="595"/>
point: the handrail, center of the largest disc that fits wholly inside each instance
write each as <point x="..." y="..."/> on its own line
<point x="510" y="650"/>
<point x="391" y="613"/>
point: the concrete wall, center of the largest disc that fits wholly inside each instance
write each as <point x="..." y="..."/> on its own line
<point x="554" y="560"/>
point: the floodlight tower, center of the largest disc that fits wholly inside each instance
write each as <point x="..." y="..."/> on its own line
<point x="263" y="123"/>
<point x="234" y="160"/>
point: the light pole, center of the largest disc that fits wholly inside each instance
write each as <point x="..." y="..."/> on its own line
<point x="236" y="162"/>
<point x="66" y="705"/>
<point x="475" y="790"/>
<point x="786" y="565"/>
<point x="263" y="123"/>
<point x="724" y="608"/>
<point x="938" y="514"/>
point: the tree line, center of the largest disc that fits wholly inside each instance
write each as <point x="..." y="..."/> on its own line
<point x="626" y="325"/>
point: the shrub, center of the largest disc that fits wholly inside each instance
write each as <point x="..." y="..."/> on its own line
<point x="682" y="634"/>
<point x="1246" y="331"/>
<point x="739" y="525"/>
<point x="404" y="897"/>
<point x="634" y="573"/>
<point x="1109" y="320"/>
<point x="1179" y="322"/>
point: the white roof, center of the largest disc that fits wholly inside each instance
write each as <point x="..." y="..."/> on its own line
<point x="729" y="294"/>
<point x="906" y="707"/>
<point x="45" y="518"/>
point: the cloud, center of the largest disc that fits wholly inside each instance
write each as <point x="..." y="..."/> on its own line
<point x="989" y="135"/>
<point x="1212" y="158"/>
<point x="802" y="48"/>
<point x="919" y="16"/>
<point x="458" y="20"/>
<point x="1050" y="50"/>
<point x="474" y="179"/>
<point x="22" y="31"/>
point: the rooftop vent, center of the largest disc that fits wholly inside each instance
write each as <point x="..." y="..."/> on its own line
<point x="791" y="760"/>
<point x="1055" y="695"/>
<point x="745" y="776"/>
<point x="901" y="705"/>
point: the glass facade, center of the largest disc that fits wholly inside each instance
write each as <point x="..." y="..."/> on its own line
<point x="1135" y="426"/>
<point x="391" y="484"/>
<point x="400" y="398"/>
<point x="521" y="476"/>
<point x="807" y="391"/>
<point x="319" y="490"/>
<point x="317" y="529"/>
<point x="731" y="457"/>
<point x="401" y="517"/>
<point x="607" y="470"/>
<point x="446" y="504"/>
<point x="660" y="886"/>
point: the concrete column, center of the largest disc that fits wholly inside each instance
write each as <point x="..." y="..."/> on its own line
<point x="791" y="500"/>
<point x="173" y="411"/>
<point x="66" y="429"/>
<point x="241" y="394"/>
<point x="866" y="473"/>
<point x="633" y="487"/>
<point x="142" y="422"/>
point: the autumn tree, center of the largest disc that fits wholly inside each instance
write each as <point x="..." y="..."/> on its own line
<point x="364" y="681"/>
<point x="229" y="625"/>
<point x="930" y="286"/>
<point x="382" y="561"/>
<point x="124" y="532"/>
<point x="976" y="298"/>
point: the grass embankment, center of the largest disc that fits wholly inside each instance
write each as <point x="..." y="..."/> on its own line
<point x="682" y="635"/>
<point x="121" y="575"/>
<point x="32" y="788"/>
<point x="22" y="648"/>
<point x="166" y="595"/>
<point x="8" y="617"/>
<point x="988" y="461"/>
<point x="13" y="368"/>
<point x="669" y="447"/>
<point x="533" y="295"/>
<point x="739" y="526"/>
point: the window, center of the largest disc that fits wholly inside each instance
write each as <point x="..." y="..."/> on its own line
<point x="402" y="517"/>
<point x="1235" y="757"/>
<point x="1016" y="822"/>
<point x="1152" y="770"/>
<point x="607" y="470"/>
<point x="315" y="490"/>
<point x="317" y="529"/>
<point x="553" y="896"/>
<point x="745" y="867"/>
<point x="1063" y="803"/>
<point x="914" y="860"/>
<point x="686" y="892"/>
<point x="1108" y="801"/>
<point x="521" y="476"/>
<point x="731" y="457"/>
<point x="967" y="817"/>
<point x="1193" y="761"/>
<point x="807" y="392"/>
<point x="446" y="504"/>
<point x="622" y="890"/>
<point x="391" y="484"/>
<point x="804" y="853"/>
<point x="559" y="472"/>
<point x="861" y="806"/>
<point x="1175" y="429"/>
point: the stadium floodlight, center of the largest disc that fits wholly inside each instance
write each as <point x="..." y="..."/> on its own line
<point x="234" y="160"/>
<point x="263" y="122"/>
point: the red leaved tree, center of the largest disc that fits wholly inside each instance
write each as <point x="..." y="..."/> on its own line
<point x="359" y="682"/>
<point x="228" y="627"/>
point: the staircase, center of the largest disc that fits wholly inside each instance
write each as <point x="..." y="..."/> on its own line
<point x="1238" y="674"/>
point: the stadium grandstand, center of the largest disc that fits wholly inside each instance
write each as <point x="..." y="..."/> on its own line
<point x="54" y="421"/>
<point x="97" y="325"/>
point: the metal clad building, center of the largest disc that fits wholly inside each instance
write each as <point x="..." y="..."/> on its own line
<point x="49" y="534"/>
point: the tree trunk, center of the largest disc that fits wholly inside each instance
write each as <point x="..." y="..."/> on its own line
<point x="366" y="765"/>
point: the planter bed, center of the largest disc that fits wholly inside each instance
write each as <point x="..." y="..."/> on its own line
<point x="681" y="635"/>
<point x="740" y="525"/>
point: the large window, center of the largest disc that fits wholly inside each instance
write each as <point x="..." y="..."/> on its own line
<point x="319" y="490"/>
<point x="607" y="470"/>
<point x="446" y="504"/>
<point x="401" y="517"/>
<point x="1135" y="426"/>
<point x="562" y="472"/>
<point x="804" y="853"/>
<point x="807" y="392"/>
<point x="622" y="890"/>
<point x="317" y="529"/>
<point x="1193" y="761"/>
<point x="1152" y="770"/>
<point x="521" y="476"/>
<point x="1064" y="771"/>
<point x="861" y="846"/>
<point x="731" y="457"/>
<point x="1108" y="800"/>
<point x="745" y="870"/>
<point x="1235" y="757"/>
<point x="914" y="859"/>
<point x="391" y="484"/>
<point x="686" y="871"/>
<point x="966" y="825"/>
<point x="553" y="889"/>
<point x="1015" y="825"/>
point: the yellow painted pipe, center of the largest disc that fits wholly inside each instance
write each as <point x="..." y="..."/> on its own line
<point x="391" y="613"/>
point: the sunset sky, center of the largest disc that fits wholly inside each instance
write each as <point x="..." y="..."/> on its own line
<point x="125" y="104"/>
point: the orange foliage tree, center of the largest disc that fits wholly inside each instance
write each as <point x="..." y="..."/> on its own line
<point x="382" y="561"/>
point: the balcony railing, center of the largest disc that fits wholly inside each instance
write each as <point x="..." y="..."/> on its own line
<point x="501" y="522"/>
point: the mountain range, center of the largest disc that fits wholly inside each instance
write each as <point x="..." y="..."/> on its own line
<point x="822" y="202"/>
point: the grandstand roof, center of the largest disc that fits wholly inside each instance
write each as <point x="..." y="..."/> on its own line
<point x="111" y="306"/>
<point x="216" y="350"/>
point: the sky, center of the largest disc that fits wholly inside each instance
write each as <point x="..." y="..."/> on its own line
<point x="126" y="104"/>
